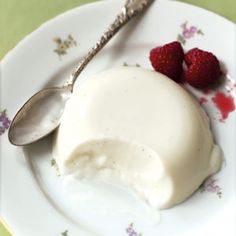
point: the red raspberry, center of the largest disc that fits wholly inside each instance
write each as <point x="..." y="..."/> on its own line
<point x="168" y="60"/>
<point x="203" y="68"/>
<point x="190" y="56"/>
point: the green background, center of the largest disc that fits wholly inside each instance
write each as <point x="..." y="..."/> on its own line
<point x="20" y="17"/>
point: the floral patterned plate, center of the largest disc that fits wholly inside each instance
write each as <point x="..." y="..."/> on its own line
<point x="36" y="200"/>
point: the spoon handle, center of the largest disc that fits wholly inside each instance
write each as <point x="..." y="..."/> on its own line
<point x="130" y="9"/>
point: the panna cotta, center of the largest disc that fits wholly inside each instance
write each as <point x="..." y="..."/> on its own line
<point x="141" y="129"/>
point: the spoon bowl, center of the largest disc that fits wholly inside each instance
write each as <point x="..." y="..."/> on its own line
<point x="39" y="116"/>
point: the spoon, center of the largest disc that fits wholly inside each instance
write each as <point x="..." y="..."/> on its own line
<point x="41" y="114"/>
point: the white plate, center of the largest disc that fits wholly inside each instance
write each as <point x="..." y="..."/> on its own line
<point x="35" y="201"/>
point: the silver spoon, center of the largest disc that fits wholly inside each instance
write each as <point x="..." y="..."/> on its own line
<point x="41" y="114"/>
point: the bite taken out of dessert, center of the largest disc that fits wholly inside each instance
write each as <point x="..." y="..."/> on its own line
<point x="141" y="128"/>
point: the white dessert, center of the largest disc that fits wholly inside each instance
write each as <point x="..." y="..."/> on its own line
<point x="141" y="128"/>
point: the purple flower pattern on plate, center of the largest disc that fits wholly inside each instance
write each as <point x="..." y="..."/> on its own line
<point x="210" y="185"/>
<point x="4" y="121"/>
<point x="188" y="32"/>
<point x="131" y="231"/>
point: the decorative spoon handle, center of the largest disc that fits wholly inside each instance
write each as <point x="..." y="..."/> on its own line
<point x="129" y="10"/>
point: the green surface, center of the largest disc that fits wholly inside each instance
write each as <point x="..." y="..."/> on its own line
<point x="20" y="17"/>
<point x="3" y="231"/>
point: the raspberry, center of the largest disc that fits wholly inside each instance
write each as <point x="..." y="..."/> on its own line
<point x="203" y="68"/>
<point x="168" y="60"/>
